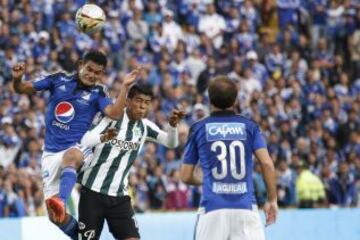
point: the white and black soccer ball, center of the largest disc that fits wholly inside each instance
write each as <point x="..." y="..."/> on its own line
<point x="90" y="18"/>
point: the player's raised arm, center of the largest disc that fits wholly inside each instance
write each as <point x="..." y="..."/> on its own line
<point x="170" y="138"/>
<point x="18" y="72"/>
<point x="115" y="111"/>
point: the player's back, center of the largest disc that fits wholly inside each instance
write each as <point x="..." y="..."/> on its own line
<point x="224" y="143"/>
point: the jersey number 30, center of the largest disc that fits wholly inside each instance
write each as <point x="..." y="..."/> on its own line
<point x="223" y="156"/>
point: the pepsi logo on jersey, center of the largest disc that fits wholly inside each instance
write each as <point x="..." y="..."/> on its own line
<point x="64" y="112"/>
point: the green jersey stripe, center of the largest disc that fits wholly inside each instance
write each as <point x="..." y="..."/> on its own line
<point x="102" y="158"/>
<point x="151" y="132"/>
<point x="114" y="165"/>
<point x="81" y="174"/>
<point x="130" y="162"/>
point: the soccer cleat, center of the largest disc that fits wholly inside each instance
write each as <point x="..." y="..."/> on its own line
<point x="56" y="209"/>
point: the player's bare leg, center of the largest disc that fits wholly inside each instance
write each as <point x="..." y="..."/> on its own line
<point x="72" y="160"/>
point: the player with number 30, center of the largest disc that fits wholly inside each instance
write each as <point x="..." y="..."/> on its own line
<point x="223" y="144"/>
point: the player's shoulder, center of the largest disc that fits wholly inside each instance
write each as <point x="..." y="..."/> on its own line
<point x="62" y="76"/>
<point x="247" y="121"/>
<point x="148" y="123"/>
<point x="195" y="126"/>
<point x="101" y="89"/>
<point x="231" y="118"/>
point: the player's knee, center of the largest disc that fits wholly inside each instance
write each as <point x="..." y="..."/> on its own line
<point x="73" y="157"/>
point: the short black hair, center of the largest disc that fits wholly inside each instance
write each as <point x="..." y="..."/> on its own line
<point x="222" y="92"/>
<point x="139" y="88"/>
<point x="95" y="56"/>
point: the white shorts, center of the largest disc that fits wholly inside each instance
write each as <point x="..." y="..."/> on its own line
<point x="229" y="224"/>
<point x="51" y="169"/>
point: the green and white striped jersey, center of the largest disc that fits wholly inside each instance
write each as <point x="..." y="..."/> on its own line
<point x="107" y="172"/>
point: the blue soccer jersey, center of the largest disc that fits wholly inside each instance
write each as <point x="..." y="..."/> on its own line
<point x="224" y="144"/>
<point x="70" y="109"/>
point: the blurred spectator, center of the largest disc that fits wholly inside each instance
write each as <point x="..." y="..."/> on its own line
<point x="177" y="192"/>
<point x="9" y="143"/>
<point x="343" y="188"/>
<point x="171" y="163"/>
<point x="157" y="188"/>
<point x="213" y="25"/>
<point x="206" y="75"/>
<point x="310" y="190"/>
<point x="171" y="30"/>
<point x="4" y="208"/>
<point x="286" y="184"/>
<point x="137" y="28"/>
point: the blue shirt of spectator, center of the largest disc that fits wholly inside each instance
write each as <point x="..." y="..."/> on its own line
<point x="318" y="11"/>
<point x="3" y="202"/>
<point x="247" y="41"/>
<point x="343" y="188"/>
<point x="287" y="10"/>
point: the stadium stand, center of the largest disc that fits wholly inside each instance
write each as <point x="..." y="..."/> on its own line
<point x="297" y="65"/>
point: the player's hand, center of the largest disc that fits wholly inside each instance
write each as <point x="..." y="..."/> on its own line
<point x="130" y="78"/>
<point x="271" y="211"/>
<point x="18" y="71"/>
<point x="108" y="135"/>
<point x="176" y="116"/>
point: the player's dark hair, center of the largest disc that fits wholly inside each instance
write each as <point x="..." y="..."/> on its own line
<point x="138" y="88"/>
<point x="95" y="56"/>
<point x="222" y="92"/>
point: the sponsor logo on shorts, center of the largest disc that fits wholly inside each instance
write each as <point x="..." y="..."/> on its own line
<point x="82" y="226"/>
<point x="90" y="234"/>
<point x="225" y="131"/>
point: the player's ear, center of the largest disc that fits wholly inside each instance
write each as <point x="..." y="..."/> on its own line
<point x="81" y="64"/>
<point x="128" y="101"/>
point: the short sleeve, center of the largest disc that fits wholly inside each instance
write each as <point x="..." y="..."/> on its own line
<point x="45" y="83"/>
<point x="152" y="130"/>
<point x="191" y="155"/>
<point x="104" y="102"/>
<point x="258" y="139"/>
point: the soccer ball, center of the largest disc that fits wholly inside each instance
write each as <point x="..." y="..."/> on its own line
<point x="90" y="18"/>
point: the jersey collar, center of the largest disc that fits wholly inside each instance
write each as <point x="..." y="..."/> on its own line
<point x="222" y="113"/>
<point x="80" y="86"/>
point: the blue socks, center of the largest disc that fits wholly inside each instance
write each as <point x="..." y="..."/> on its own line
<point x="67" y="181"/>
<point x="70" y="228"/>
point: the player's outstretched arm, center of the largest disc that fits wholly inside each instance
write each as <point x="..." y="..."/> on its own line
<point x="115" y="111"/>
<point x="18" y="72"/>
<point x="268" y="171"/>
<point x="170" y="138"/>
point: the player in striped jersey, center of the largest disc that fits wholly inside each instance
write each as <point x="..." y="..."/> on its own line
<point x="104" y="179"/>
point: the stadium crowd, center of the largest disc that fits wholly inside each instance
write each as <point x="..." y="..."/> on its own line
<point x="296" y="62"/>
